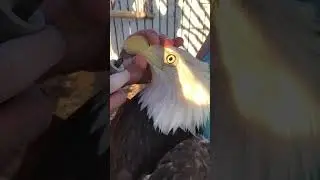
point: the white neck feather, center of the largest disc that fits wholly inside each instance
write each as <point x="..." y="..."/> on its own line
<point x="182" y="102"/>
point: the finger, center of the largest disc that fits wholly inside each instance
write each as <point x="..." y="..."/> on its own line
<point x="139" y="71"/>
<point x="118" y="80"/>
<point x="117" y="99"/>
<point x="162" y="37"/>
<point x="178" y="42"/>
<point x="136" y="73"/>
<point x="140" y="61"/>
<point x="151" y="36"/>
<point x="137" y="60"/>
<point x="165" y="41"/>
<point x="140" y="77"/>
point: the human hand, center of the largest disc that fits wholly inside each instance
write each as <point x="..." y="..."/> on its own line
<point x="137" y="69"/>
<point x="137" y="66"/>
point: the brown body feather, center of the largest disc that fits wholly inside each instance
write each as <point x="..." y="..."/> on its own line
<point x="135" y="145"/>
<point x="190" y="159"/>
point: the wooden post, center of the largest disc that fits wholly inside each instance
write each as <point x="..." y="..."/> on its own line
<point x="130" y="14"/>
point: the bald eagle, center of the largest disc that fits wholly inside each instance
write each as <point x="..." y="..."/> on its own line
<point x="169" y="111"/>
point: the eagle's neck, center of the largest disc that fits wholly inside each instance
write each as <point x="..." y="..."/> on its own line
<point x="168" y="107"/>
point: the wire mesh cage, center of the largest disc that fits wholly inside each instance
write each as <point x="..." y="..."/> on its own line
<point x="174" y="18"/>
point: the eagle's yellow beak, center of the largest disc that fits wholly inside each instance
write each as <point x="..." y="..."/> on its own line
<point x="138" y="45"/>
<point x="154" y="55"/>
<point x="135" y="44"/>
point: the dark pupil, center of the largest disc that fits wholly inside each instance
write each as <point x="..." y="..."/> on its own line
<point x="170" y="58"/>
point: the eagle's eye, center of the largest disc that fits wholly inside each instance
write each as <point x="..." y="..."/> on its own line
<point x="171" y="59"/>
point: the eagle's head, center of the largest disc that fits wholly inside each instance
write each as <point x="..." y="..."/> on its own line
<point x="179" y="93"/>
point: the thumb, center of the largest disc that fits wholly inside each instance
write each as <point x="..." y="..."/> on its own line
<point x="118" y="80"/>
